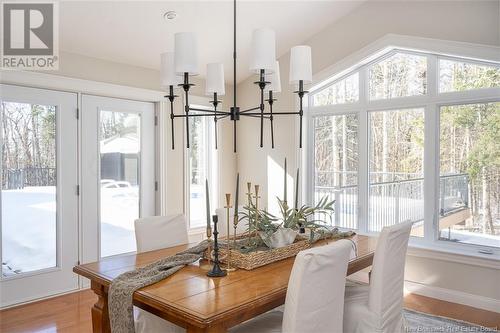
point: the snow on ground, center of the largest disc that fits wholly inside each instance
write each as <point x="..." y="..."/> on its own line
<point x="28" y="229"/>
<point x="29" y="226"/>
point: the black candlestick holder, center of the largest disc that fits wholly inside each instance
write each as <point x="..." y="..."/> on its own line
<point x="216" y="270"/>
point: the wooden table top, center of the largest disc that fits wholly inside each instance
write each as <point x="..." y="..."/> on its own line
<point x="189" y="295"/>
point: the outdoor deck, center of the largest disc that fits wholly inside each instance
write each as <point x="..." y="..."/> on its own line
<point x="395" y="201"/>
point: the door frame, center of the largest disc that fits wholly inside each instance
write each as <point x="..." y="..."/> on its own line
<point x="90" y="207"/>
<point x="15" y="288"/>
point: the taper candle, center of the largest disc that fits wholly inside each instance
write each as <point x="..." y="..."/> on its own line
<point x="207" y="195"/>
<point x="297" y="190"/>
<point x="236" y="196"/>
<point x="284" y="181"/>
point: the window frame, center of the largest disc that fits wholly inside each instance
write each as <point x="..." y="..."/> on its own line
<point x="431" y="102"/>
<point x="213" y="169"/>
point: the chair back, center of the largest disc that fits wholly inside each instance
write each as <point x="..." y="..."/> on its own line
<point x="222" y="226"/>
<point x="387" y="277"/>
<point x="158" y="232"/>
<point x="315" y="296"/>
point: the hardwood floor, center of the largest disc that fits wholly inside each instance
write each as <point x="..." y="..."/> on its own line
<point x="71" y="313"/>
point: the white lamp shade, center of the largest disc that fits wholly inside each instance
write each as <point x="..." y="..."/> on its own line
<point x="274" y="78"/>
<point x="167" y="71"/>
<point x="300" y="64"/>
<point x="186" y="53"/>
<point x="263" y="50"/>
<point x="215" y="79"/>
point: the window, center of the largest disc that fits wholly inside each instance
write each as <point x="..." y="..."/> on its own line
<point x="406" y="152"/>
<point x="399" y="75"/>
<point x="469" y="203"/>
<point x="461" y="76"/>
<point x="336" y="165"/>
<point x="29" y="223"/>
<point x="120" y="154"/>
<point x="341" y="92"/>
<point x="396" y="169"/>
<point x="202" y="164"/>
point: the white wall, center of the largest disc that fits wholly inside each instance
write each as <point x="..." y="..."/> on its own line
<point x="467" y="21"/>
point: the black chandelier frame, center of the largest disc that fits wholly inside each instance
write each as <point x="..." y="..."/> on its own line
<point x="234" y="112"/>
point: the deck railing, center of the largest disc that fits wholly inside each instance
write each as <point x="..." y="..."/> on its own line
<point x="394" y="201"/>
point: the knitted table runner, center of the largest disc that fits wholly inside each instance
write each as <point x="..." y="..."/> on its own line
<point x="120" y="296"/>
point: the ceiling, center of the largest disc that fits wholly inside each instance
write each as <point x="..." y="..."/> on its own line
<point x="135" y="32"/>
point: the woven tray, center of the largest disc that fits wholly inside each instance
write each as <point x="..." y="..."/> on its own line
<point x="256" y="259"/>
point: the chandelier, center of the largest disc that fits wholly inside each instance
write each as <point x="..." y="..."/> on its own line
<point x="178" y="66"/>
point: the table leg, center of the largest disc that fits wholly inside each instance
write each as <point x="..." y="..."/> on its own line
<point x="100" y="315"/>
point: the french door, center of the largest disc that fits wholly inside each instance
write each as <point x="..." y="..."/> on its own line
<point x="117" y="173"/>
<point x="39" y="202"/>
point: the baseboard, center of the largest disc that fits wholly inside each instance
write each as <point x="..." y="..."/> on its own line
<point x="454" y="296"/>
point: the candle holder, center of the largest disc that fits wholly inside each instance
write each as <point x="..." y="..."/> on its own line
<point x="249" y="204"/>
<point x="216" y="270"/>
<point x="228" y="256"/>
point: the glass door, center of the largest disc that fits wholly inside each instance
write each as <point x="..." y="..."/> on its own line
<point x="118" y="173"/>
<point x="39" y="218"/>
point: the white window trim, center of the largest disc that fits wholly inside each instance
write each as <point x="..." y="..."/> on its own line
<point x="214" y="170"/>
<point x="433" y="49"/>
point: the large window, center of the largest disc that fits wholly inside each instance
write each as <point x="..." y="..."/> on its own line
<point x="202" y="164"/>
<point x="396" y="168"/>
<point x="411" y="136"/>
<point x="469" y="203"/>
<point x="336" y="165"/>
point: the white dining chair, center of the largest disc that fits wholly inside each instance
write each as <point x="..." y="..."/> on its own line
<point x="222" y="216"/>
<point x="378" y="306"/>
<point x="315" y="297"/>
<point x="153" y="233"/>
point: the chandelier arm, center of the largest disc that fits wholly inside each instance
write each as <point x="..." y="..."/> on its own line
<point x="274" y="113"/>
<point x="210" y="111"/>
<point x="224" y="116"/>
<point x="193" y="115"/>
<point x="258" y="116"/>
<point x="271" y="118"/>
<point x="251" y="109"/>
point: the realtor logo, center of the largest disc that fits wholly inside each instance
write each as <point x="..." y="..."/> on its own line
<point x="30" y="39"/>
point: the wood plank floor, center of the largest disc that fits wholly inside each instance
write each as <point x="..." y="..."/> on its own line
<point x="71" y="313"/>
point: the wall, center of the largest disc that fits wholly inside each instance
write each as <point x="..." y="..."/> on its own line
<point x="467" y="21"/>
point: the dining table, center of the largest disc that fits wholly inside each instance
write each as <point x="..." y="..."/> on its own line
<point x="191" y="299"/>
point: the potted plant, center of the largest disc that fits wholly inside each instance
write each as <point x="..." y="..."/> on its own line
<point x="281" y="231"/>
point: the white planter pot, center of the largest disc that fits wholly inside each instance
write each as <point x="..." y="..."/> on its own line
<point x="280" y="238"/>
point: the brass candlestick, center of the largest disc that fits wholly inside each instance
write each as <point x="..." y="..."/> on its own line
<point x="235" y="225"/>
<point x="249" y="203"/>
<point x="256" y="196"/>
<point x="207" y="265"/>
<point x="228" y="256"/>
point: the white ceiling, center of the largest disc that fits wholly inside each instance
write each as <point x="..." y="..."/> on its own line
<point x="135" y="33"/>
